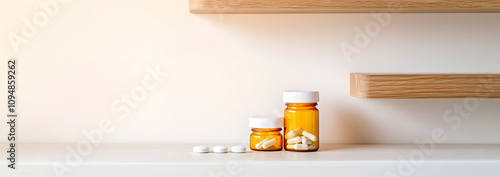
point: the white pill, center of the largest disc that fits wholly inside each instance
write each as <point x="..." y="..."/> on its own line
<point x="220" y="149"/>
<point x="291" y="134"/>
<point x="259" y="145"/>
<point x="269" y="143"/>
<point x="200" y="149"/>
<point x="312" y="146"/>
<point x="309" y="135"/>
<point x="239" y="149"/>
<point x="294" y="140"/>
<point x="301" y="147"/>
<point x="306" y="141"/>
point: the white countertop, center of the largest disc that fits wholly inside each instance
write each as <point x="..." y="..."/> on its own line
<point x="331" y="160"/>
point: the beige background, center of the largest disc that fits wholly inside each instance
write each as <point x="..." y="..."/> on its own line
<point x="224" y="68"/>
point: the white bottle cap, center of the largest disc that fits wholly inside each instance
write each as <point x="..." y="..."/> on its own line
<point x="265" y="122"/>
<point x="300" y="96"/>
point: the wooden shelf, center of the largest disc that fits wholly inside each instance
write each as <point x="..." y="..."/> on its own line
<point x="425" y="85"/>
<point x="340" y="6"/>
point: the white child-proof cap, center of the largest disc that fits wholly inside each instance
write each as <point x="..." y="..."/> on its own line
<point x="300" y="96"/>
<point x="265" y="122"/>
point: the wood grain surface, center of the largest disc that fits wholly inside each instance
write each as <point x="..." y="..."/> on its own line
<point x="425" y="85"/>
<point x="340" y="6"/>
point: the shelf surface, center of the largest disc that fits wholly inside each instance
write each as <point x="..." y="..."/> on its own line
<point x="425" y="85"/>
<point x="331" y="160"/>
<point x="340" y="6"/>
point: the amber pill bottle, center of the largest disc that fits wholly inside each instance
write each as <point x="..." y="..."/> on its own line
<point x="266" y="133"/>
<point x="301" y="120"/>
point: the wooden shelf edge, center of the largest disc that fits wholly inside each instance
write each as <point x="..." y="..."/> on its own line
<point x="341" y="6"/>
<point x="401" y="86"/>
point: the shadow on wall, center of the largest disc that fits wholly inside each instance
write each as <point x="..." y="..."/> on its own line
<point x="347" y="125"/>
<point x="402" y="121"/>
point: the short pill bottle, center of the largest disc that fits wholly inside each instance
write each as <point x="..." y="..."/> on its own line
<point x="266" y="133"/>
<point x="301" y="120"/>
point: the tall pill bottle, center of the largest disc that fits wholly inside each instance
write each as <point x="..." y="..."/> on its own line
<point x="301" y="120"/>
<point x="266" y="133"/>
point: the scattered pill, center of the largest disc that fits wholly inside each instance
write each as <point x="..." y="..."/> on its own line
<point x="301" y="147"/>
<point x="220" y="149"/>
<point x="259" y="145"/>
<point x="200" y="149"/>
<point x="309" y="135"/>
<point x="294" y="140"/>
<point x="269" y="143"/>
<point x="238" y="149"/>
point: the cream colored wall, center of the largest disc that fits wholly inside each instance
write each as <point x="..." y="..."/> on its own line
<point x="77" y="71"/>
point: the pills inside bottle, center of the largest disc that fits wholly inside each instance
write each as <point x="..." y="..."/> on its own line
<point x="301" y="120"/>
<point x="266" y="133"/>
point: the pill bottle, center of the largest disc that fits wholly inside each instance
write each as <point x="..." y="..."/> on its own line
<point x="301" y="120"/>
<point x="266" y="133"/>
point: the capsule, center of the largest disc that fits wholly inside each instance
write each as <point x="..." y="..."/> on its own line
<point x="298" y="130"/>
<point x="269" y="143"/>
<point x="306" y="141"/>
<point x="294" y="133"/>
<point x="309" y="135"/>
<point x="259" y="145"/>
<point x="294" y="140"/>
<point x="291" y="134"/>
<point x="301" y="147"/>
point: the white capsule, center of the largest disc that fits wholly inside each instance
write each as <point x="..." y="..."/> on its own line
<point x="301" y="147"/>
<point x="220" y="149"/>
<point x="291" y="134"/>
<point x="312" y="146"/>
<point x="269" y="143"/>
<point x="309" y="135"/>
<point x="200" y="149"/>
<point x="294" y="140"/>
<point x="238" y="149"/>
<point x="292" y="147"/>
<point x="298" y="131"/>
<point x="259" y="145"/>
<point x="306" y="141"/>
<point x="294" y="133"/>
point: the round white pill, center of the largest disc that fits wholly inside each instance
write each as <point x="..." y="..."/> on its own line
<point x="239" y="149"/>
<point x="200" y="149"/>
<point x="220" y="149"/>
